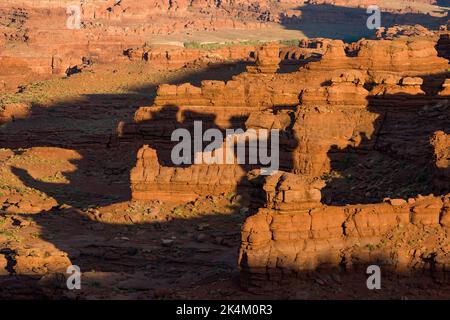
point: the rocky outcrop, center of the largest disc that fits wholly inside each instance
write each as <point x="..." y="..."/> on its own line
<point x="445" y="88"/>
<point x="405" y="55"/>
<point x="211" y="93"/>
<point x="175" y="57"/>
<point x="403" y="31"/>
<point x="151" y="181"/>
<point x="355" y="104"/>
<point x="374" y="100"/>
<point x="267" y="59"/>
<point x="343" y="90"/>
<point x="286" y="191"/>
<point x="279" y="244"/>
<point x="108" y="29"/>
<point x="390" y="85"/>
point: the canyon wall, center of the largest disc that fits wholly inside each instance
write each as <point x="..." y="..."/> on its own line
<point x="36" y="42"/>
<point x="106" y="30"/>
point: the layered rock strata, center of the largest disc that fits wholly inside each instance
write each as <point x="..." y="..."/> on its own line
<point x="326" y="114"/>
<point x="280" y="244"/>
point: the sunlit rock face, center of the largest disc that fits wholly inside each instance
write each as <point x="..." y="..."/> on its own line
<point x="102" y="31"/>
<point x="359" y="107"/>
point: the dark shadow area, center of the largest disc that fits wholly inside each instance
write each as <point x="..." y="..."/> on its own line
<point x="349" y="24"/>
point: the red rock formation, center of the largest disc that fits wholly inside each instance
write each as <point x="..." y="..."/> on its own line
<point x="401" y="55"/>
<point x="267" y="59"/>
<point x="151" y="181"/>
<point x="176" y="57"/>
<point x="406" y="30"/>
<point x="366" y="3"/>
<point x="445" y="88"/>
<point x="285" y="243"/>
<point x="12" y="112"/>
